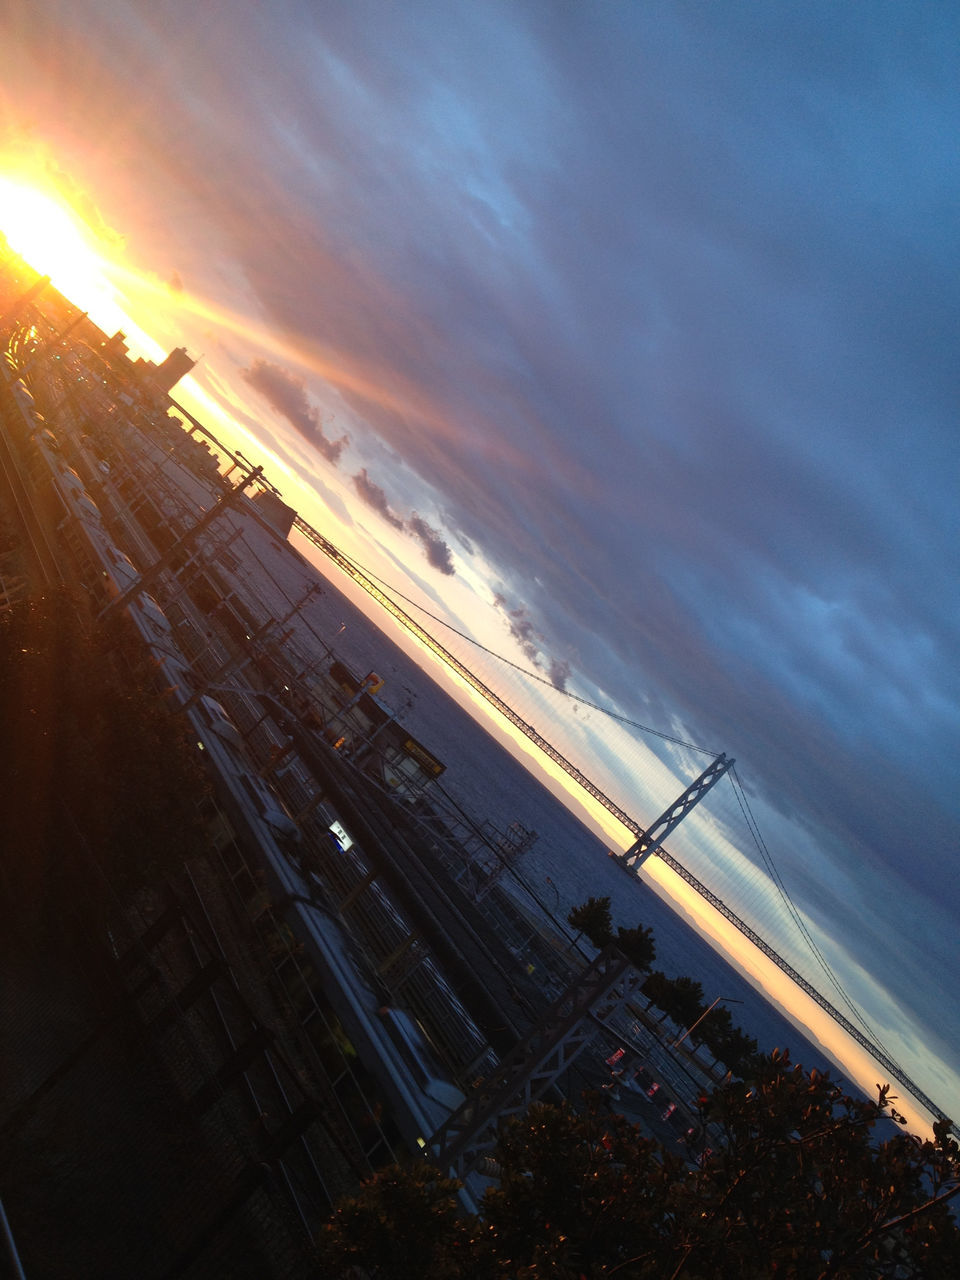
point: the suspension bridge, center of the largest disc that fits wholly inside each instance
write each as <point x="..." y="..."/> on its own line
<point x="648" y="840"/>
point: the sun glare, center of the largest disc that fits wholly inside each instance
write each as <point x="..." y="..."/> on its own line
<point x="55" y="242"/>
<point x="49" y="238"/>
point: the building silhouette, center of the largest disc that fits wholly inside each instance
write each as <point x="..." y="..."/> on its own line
<point x="176" y="366"/>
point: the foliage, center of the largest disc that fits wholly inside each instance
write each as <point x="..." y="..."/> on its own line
<point x="680" y="998"/>
<point x="593" y="918"/>
<point x="92" y="765"/>
<point x="799" y="1168"/>
<point x="726" y="1042"/>
<point x="404" y="1224"/>
<point x="713" y="1025"/>
<point x="799" y="1185"/>
<point x="638" y="946"/>
<point x="655" y="986"/>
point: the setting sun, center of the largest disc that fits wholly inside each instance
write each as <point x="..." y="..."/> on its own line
<point x="55" y="241"/>
<point x="50" y="239"/>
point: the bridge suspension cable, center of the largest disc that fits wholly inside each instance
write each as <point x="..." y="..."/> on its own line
<point x="466" y="675"/>
<point x="889" y="1065"/>
<point x="648" y="847"/>
<point x="394" y="592"/>
<point x="748" y="816"/>
<point x="754" y="829"/>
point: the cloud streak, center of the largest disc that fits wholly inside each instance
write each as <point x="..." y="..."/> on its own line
<point x="659" y="309"/>
<point x="435" y="548"/>
<point x="374" y="497"/>
<point x="531" y="642"/>
<point x="287" y="395"/>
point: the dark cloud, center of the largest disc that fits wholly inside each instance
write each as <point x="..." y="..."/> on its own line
<point x="375" y="497"/>
<point x="524" y="631"/>
<point x="287" y="394"/>
<point x="464" y="542"/>
<point x="659" y="309"/>
<point x="437" y="551"/>
<point x="521" y="627"/>
<point x="558" y="672"/>
<point x="278" y="444"/>
<point x="435" y="547"/>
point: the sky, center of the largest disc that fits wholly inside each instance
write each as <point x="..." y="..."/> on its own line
<point x="622" y="334"/>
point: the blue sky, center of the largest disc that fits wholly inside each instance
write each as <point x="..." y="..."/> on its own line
<point x="639" y="318"/>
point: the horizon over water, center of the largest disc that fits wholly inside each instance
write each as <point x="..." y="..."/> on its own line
<point x="489" y="783"/>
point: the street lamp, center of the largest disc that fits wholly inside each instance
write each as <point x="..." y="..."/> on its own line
<point x="556" y="894"/>
<point x="728" y="999"/>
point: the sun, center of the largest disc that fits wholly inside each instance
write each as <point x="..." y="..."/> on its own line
<point x="51" y="239"/>
<point x="48" y="235"/>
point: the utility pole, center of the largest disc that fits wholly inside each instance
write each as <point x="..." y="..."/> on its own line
<point x="150" y="574"/>
<point x="12" y="312"/>
<point x="236" y="664"/>
<point x="50" y="344"/>
<point x="708" y="1009"/>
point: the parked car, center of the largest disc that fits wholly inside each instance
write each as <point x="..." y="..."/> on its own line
<point x="151" y="613"/>
<point x="420" y="1057"/>
<point x="269" y="807"/>
<point x="218" y="720"/>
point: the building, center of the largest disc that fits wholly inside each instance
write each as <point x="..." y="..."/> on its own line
<point x="274" y="510"/>
<point x="176" y="366"/>
<point x="356" y="722"/>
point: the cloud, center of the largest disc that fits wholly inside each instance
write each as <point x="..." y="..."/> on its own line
<point x="464" y="542"/>
<point x="435" y="547"/>
<point x="374" y="497"/>
<point x="84" y="204"/>
<point x="287" y="394"/>
<point x="521" y="628"/>
<point x="669" y="335"/>
<point x="438" y="553"/>
<point x="530" y="640"/>
<point x="558" y="671"/>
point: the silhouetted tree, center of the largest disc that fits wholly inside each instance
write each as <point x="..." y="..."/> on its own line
<point x="727" y="1042"/>
<point x="713" y="1026"/>
<point x="686" y="1000"/>
<point x="735" y="1049"/>
<point x="680" y="998"/>
<point x="638" y="946"/>
<point x="405" y="1224"/>
<point x="654" y="987"/>
<point x="593" y="918"/>
<point x="798" y="1185"/>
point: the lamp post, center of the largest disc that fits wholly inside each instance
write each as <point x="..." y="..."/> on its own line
<point x="693" y="1027"/>
<point x="556" y="894"/>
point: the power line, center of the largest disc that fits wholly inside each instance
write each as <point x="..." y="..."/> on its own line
<point x="525" y="671"/>
<point x="385" y="593"/>
<point x="754" y="828"/>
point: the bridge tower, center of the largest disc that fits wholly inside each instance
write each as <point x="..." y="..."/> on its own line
<point x="568" y="1026"/>
<point x="648" y="842"/>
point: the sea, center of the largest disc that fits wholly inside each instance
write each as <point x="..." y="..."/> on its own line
<point x="567" y="863"/>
